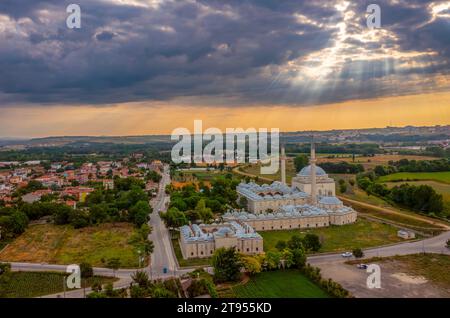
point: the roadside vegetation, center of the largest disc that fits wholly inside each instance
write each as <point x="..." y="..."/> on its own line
<point x="35" y="284"/>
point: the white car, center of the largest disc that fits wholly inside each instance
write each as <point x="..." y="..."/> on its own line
<point x="347" y="254"/>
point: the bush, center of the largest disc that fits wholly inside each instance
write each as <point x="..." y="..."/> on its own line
<point x="86" y="270"/>
<point x="201" y="287"/>
<point x="358" y="253"/>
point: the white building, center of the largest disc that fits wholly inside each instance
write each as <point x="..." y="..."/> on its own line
<point x="309" y="202"/>
<point x="199" y="241"/>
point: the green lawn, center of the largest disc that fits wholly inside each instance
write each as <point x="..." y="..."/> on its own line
<point x="279" y="284"/>
<point x="362" y="233"/>
<point x="35" y="284"/>
<point x="188" y="262"/>
<point x="415" y="176"/>
<point x="62" y="244"/>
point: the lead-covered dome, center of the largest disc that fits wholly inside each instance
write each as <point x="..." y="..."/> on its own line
<point x="306" y="171"/>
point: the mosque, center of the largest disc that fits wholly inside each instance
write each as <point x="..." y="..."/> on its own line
<point x="310" y="202"/>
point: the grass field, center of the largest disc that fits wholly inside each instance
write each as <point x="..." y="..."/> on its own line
<point x="255" y="169"/>
<point x="408" y="219"/>
<point x="35" y="284"/>
<point x="361" y="234"/>
<point x="443" y="177"/>
<point x="188" y="262"/>
<point x="279" y="284"/>
<point x="61" y="244"/>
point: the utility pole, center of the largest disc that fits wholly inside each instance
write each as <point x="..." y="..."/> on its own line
<point x="64" y="285"/>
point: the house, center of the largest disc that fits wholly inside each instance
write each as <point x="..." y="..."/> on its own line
<point x="108" y="184"/>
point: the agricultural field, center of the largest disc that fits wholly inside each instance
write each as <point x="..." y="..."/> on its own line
<point x="278" y="284"/>
<point x="35" y="284"/>
<point x="362" y="233"/>
<point x="443" y="177"/>
<point x="370" y="162"/>
<point x="62" y="244"/>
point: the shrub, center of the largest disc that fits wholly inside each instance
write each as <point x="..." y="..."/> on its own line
<point x="358" y="253"/>
<point x="86" y="270"/>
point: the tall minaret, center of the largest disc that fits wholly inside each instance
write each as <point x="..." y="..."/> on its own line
<point x="283" y="166"/>
<point x="312" y="162"/>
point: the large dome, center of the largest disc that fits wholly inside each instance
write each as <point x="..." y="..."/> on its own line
<point x="306" y="171"/>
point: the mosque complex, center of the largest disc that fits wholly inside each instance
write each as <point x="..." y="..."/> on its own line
<point x="310" y="202"/>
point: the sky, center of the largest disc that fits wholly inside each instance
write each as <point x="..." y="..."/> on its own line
<point x="149" y="66"/>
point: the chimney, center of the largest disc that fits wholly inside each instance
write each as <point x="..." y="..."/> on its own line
<point x="283" y="166"/>
<point x="312" y="162"/>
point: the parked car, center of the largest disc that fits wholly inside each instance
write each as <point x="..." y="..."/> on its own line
<point x="362" y="266"/>
<point x="347" y="254"/>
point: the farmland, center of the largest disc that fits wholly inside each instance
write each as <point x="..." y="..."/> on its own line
<point x="62" y="244"/>
<point x="443" y="177"/>
<point x="370" y="162"/>
<point x="279" y="284"/>
<point x="35" y="284"/>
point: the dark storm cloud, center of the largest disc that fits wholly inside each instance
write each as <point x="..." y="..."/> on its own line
<point x="213" y="49"/>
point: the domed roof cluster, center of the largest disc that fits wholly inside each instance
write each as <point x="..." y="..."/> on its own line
<point x="276" y="190"/>
<point x="306" y="171"/>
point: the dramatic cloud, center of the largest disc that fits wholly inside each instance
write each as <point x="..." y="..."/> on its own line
<point x="219" y="52"/>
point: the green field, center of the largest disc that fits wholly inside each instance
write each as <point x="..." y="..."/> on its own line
<point x="62" y="244"/>
<point x="279" y="284"/>
<point x="416" y="176"/>
<point x="35" y="284"/>
<point x="361" y="234"/>
<point x="188" y="262"/>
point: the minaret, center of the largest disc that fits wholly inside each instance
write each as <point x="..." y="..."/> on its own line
<point x="283" y="166"/>
<point x="312" y="162"/>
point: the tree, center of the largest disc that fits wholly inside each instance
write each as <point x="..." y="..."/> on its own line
<point x="227" y="264"/>
<point x="139" y="213"/>
<point x="86" y="270"/>
<point x="300" y="162"/>
<point x="251" y="264"/>
<point x="299" y="258"/>
<point x="272" y="260"/>
<point x="312" y="242"/>
<point x="295" y="242"/>
<point x="287" y="257"/>
<point x="174" y="218"/>
<point x="358" y="252"/>
<point x="203" y="213"/>
<point x="281" y="245"/>
<point x="141" y="278"/>
<point x="114" y="264"/>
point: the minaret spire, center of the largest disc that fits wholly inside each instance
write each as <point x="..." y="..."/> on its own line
<point x="283" y="165"/>
<point x="312" y="162"/>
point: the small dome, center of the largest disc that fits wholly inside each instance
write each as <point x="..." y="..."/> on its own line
<point x="306" y="171"/>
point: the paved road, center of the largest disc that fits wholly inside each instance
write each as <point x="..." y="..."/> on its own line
<point x="434" y="244"/>
<point x="163" y="255"/>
